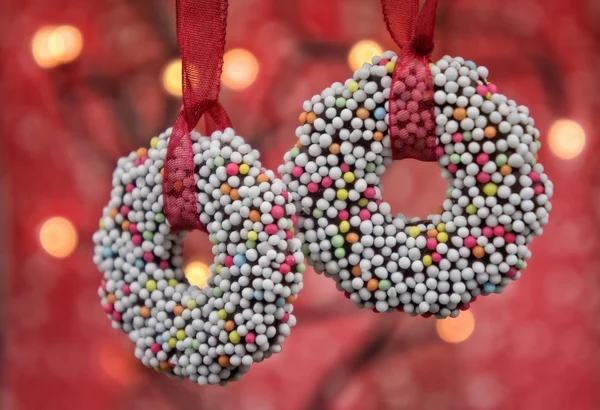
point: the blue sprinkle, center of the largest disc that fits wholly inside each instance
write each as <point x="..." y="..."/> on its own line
<point x="471" y="65"/>
<point x="280" y="302"/>
<point x="258" y="295"/>
<point x="139" y="264"/>
<point x="239" y="259"/>
<point x="108" y="253"/>
<point x="380" y="113"/>
<point x="489" y="287"/>
<point x="159" y="340"/>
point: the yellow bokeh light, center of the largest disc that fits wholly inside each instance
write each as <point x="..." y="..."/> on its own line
<point x="363" y="52"/>
<point x="566" y="139"/>
<point x="197" y="273"/>
<point x="456" y="330"/>
<point x="52" y="46"/>
<point x="172" y="78"/>
<point x="58" y="237"/>
<point x="240" y="69"/>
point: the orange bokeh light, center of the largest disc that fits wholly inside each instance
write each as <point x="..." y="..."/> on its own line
<point x="172" y="78"/>
<point x="197" y="273"/>
<point x="566" y="139"/>
<point x="362" y="52"/>
<point x="240" y="69"/>
<point x="52" y="46"/>
<point x="456" y="330"/>
<point x="58" y="237"/>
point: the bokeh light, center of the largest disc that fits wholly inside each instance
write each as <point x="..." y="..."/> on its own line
<point x="58" y="237"/>
<point x="197" y="273"/>
<point x="566" y="139"/>
<point x="240" y="69"/>
<point x="362" y="52"/>
<point x="52" y="46"/>
<point x="172" y="78"/>
<point x="119" y="365"/>
<point x="456" y="330"/>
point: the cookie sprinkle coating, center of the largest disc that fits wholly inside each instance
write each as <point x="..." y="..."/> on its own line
<point x="497" y="197"/>
<point x="242" y="316"/>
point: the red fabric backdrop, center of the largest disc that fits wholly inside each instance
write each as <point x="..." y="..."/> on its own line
<point x="63" y="129"/>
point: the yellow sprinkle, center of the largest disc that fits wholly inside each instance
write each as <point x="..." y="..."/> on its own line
<point x="252" y="235"/>
<point x="414" y="231"/>
<point x="173" y="282"/>
<point x="180" y="334"/>
<point x="488" y="95"/>
<point x="222" y="314"/>
<point x="342" y="194"/>
<point x="427" y="260"/>
<point x="172" y="342"/>
<point x="344" y="227"/>
<point x="154" y="142"/>
<point x="244" y="168"/>
<point x="363" y="202"/>
<point x="441" y="227"/>
<point x="390" y="66"/>
<point x="353" y="86"/>
<point x="442" y="237"/>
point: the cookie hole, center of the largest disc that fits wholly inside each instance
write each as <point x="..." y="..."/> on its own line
<point x="413" y="188"/>
<point x="197" y="258"/>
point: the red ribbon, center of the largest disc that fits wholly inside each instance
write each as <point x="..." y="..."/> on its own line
<point x="201" y="28"/>
<point x="411" y="104"/>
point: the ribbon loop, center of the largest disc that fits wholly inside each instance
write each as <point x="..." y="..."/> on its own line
<point x="411" y="107"/>
<point x="201" y="28"/>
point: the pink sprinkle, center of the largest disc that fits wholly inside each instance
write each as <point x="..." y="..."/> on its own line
<point x="103" y="286"/>
<point x="284" y="194"/>
<point x="370" y="192"/>
<point x="431" y="243"/>
<point x="343" y="215"/>
<point x="482" y="90"/>
<point x="365" y="215"/>
<point x="137" y="240"/>
<point x="290" y="260"/>
<point x="498" y="231"/>
<point x="457" y="137"/>
<point x="436" y="257"/>
<point x="116" y="316"/>
<point x="297" y="172"/>
<point x="129" y="188"/>
<point x="535" y="177"/>
<point x="378" y="202"/>
<point x="439" y="151"/>
<point x="124" y="210"/>
<point x="470" y="242"/>
<point x="148" y="256"/>
<point x="488" y="232"/>
<point x="229" y="261"/>
<point x="136" y="163"/>
<point x="509" y="237"/>
<point x="232" y="169"/>
<point x="294" y="219"/>
<point x="250" y="338"/>
<point x="538" y="189"/>
<point x="383" y="61"/>
<point x="512" y="272"/>
<point x="465" y="306"/>
<point x="155" y="348"/>
<point x="126" y="290"/>
<point x="133" y="229"/>
<point x="452" y="168"/>
<point x="108" y="308"/>
<point x="492" y="88"/>
<point x="285" y="318"/>
<point x="473" y="299"/>
<point x="284" y="268"/>
<point x="312" y="187"/>
<point x="483" y="178"/>
<point x="483" y="158"/>
<point x="345" y="167"/>
<point x="271" y="229"/>
<point x="164" y="264"/>
<point x="277" y="211"/>
<point x="327" y="182"/>
<point x="289" y="235"/>
<point x="143" y="159"/>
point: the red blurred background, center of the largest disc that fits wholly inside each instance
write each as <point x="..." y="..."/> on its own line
<point x="69" y="113"/>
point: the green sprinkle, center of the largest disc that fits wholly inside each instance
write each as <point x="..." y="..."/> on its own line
<point x="250" y="244"/>
<point x="301" y="267"/>
<point x="449" y="193"/>
<point x="519" y="264"/>
<point x="455" y="158"/>
<point x="305" y="249"/>
<point x="196" y="344"/>
<point x="339" y="253"/>
<point x="371" y="167"/>
<point x="340" y="102"/>
<point x="317" y="213"/>
<point x="295" y="152"/>
<point x="159" y="217"/>
<point x="385" y="284"/>
<point x="501" y="160"/>
<point x="219" y="161"/>
<point x="337" y="241"/>
<point x="147" y="235"/>
<point x="217" y="292"/>
<point x="467" y="136"/>
<point x="508" y="228"/>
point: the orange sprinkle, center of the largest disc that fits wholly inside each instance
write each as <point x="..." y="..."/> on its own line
<point x="505" y="169"/>
<point x="363" y="113"/>
<point x="432" y="233"/>
<point x="356" y="270"/>
<point x="378" y="136"/>
<point x="460" y="113"/>
<point x="302" y="118"/>
<point x="262" y="178"/>
<point x="145" y="312"/>
<point x="224" y="361"/>
<point x="298" y="144"/>
<point x="162" y="171"/>
<point x="113" y="212"/>
<point x="254" y="215"/>
<point x="290" y="299"/>
<point x="178" y="186"/>
<point x="110" y="298"/>
<point x="372" y="285"/>
<point x="141" y="152"/>
<point x="125" y="225"/>
<point x="225" y="189"/>
<point x="234" y="194"/>
<point x="165" y="365"/>
<point x="178" y="310"/>
<point x="229" y="325"/>
<point x="478" y="252"/>
<point x="351" y="237"/>
<point x="334" y="149"/>
<point x="311" y="117"/>
<point x="489" y="131"/>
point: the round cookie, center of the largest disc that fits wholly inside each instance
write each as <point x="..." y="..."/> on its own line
<point x="244" y="313"/>
<point x="497" y="197"/>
